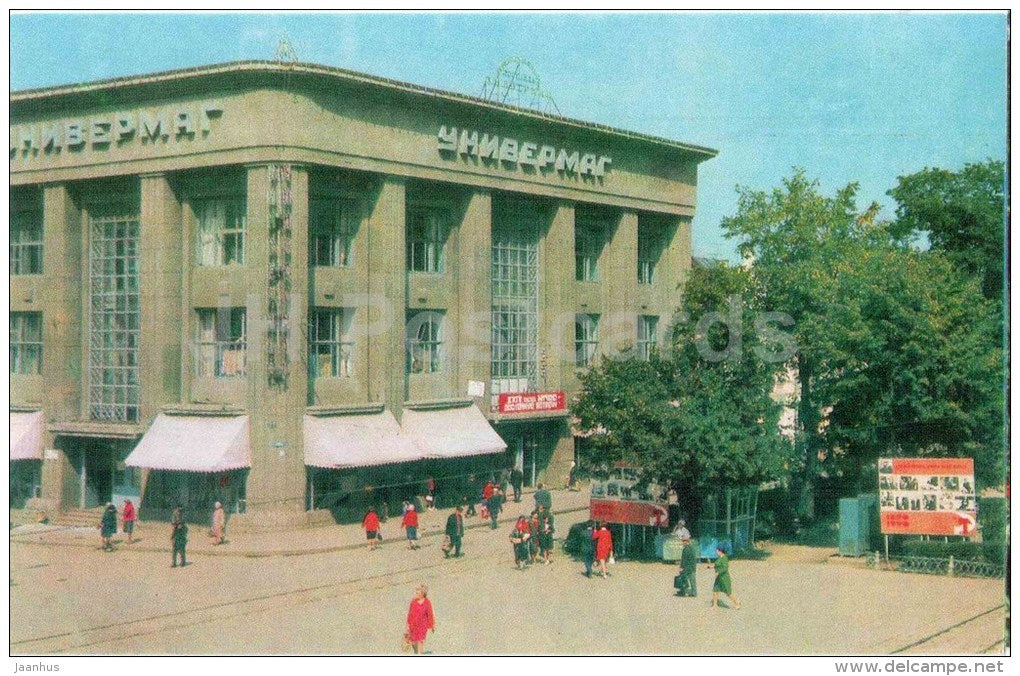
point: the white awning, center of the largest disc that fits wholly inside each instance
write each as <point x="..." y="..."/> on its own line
<point x="185" y="443"/>
<point x="363" y="440"/>
<point x="452" y="432"/>
<point x="26" y="436"/>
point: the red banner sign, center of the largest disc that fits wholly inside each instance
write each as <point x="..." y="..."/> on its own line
<point x="630" y="511"/>
<point x="927" y="496"/>
<point x="532" y="402"/>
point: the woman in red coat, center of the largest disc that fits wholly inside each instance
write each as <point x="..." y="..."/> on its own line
<point x="410" y="523"/>
<point x="603" y="547"/>
<point x="420" y="619"/>
<point x="371" y="525"/>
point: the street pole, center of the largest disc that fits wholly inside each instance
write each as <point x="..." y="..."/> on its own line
<point x="887" y="549"/>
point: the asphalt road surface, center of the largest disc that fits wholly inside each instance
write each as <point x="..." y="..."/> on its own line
<point x="83" y="601"/>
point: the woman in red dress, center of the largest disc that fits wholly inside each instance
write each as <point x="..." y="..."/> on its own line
<point x="371" y="525"/>
<point x="603" y="547"/>
<point x="420" y="619"/>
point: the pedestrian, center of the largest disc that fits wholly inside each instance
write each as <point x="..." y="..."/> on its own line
<point x="504" y="480"/>
<point x="519" y="537"/>
<point x="681" y="531"/>
<point x="533" y="542"/>
<point x="588" y="547"/>
<point x="108" y="526"/>
<point x="571" y="477"/>
<point x="603" y="547"/>
<point x="129" y="518"/>
<point x="495" y="505"/>
<point x="420" y="619"/>
<point x="371" y="525"/>
<point x="517" y="481"/>
<point x="723" y="584"/>
<point x="688" y="569"/>
<point x="410" y="524"/>
<point x="430" y="497"/>
<point x="219" y="524"/>
<point x="179" y="537"/>
<point x="545" y="534"/>
<point x="543" y="497"/>
<point x="455" y="531"/>
<point x="486" y="494"/>
<point x="472" y="495"/>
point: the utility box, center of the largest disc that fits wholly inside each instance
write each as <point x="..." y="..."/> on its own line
<point x="668" y="547"/>
<point x="854" y="523"/>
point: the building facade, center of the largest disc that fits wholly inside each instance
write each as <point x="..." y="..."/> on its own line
<point x="286" y="286"/>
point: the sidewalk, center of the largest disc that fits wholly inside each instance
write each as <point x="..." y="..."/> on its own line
<point x="155" y="536"/>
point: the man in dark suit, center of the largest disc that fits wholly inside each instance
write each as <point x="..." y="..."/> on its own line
<point x="455" y="531"/>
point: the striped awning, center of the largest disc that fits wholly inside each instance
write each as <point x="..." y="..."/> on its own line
<point x="362" y="440"/>
<point x="186" y="443"/>
<point x="26" y="435"/>
<point x="452" y="432"/>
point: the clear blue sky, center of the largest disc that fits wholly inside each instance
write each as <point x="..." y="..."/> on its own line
<point x="848" y="97"/>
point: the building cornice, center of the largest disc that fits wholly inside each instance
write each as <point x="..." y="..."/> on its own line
<point x="241" y="68"/>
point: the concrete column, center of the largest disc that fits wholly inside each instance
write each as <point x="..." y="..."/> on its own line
<point x="63" y="370"/>
<point x="618" y="327"/>
<point x="276" y="483"/>
<point x="674" y="264"/>
<point x="474" y="296"/>
<point x="387" y="295"/>
<point x="556" y="335"/>
<point x="160" y="289"/>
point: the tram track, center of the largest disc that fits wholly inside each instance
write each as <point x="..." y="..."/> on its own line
<point x="949" y="638"/>
<point x="76" y="642"/>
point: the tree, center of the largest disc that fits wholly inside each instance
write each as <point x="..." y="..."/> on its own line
<point x="896" y="349"/>
<point x="698" y="416"/>
<point x="914" y="367"/>
<point x="963" y="215"/>
<point x="798" y="242"/>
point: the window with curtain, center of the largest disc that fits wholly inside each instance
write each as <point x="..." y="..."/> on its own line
<point x="220" y="230"/>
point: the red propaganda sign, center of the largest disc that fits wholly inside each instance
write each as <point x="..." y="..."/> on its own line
<point x="532" y="402"/>
<point x="927" y="496"/>
<point x="630" y="511"/>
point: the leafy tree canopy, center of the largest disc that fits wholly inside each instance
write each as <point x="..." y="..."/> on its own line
<point x="697" y="416"/>
<point x="962" y="213"/>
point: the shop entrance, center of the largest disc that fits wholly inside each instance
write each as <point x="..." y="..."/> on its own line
<point x="102" y="476"/>
<point x="526" y="455"/>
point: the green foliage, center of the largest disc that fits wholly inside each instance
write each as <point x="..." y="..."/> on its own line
<point x="897" y="350"/>
<point x="963" y="216"/>
<point x="993" y="514"/>
<point x="992" y="552"/>
<point x="692" y="422"/>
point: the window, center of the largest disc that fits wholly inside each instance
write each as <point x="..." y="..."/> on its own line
<point x="114" y="319"/>
<point x="220" y="231"/>
<point x="586" y="333"/>
<point x="426" y="235"/>
<point x="589" y="240"/>
<point x="332" y="225"/>
<point x="424" y="341"/>
<point x="330" y="344"/>
<point x="221" y="343"/>
<point x="26" y="242"/>
<point x="26" y="343"/>
<point x="649" y="249"/>
<point x="647" y="336"/>
<point x="514" y="302"/>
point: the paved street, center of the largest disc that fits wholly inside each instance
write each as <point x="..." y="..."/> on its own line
<point x="77" y="599"/>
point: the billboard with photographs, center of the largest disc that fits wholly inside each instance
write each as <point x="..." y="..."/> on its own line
<point x="927" y="496"/>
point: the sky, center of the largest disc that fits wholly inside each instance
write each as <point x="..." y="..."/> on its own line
<point x="863" y="97"/>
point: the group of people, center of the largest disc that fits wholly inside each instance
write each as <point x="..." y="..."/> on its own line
<point x="178" y="528"/>
<point x="532" y="539"/>
<point x="686" y="582"/>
